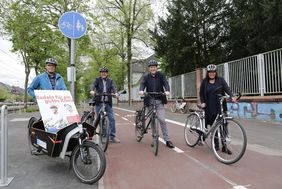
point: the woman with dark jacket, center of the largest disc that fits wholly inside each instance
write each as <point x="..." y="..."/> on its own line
<point x="210" y="87"/>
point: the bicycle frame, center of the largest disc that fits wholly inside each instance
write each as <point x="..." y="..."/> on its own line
<point x="152" y="113"/>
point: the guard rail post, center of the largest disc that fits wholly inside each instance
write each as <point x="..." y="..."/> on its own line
<point x="4" y="181"/>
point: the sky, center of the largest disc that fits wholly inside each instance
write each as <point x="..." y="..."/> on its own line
<point x="12" y="68"/>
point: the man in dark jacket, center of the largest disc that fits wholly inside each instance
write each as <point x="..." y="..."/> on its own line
<point x="104" y="84"/>
<point x="155" y="81"/>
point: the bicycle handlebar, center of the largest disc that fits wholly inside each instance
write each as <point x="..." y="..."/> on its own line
<point x="228" y="97"/>
<point x="153" y="94"/>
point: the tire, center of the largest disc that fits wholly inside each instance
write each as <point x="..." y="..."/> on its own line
<point x="139" y="127"/>
<point x="155" y="134"/>
<point x="230" y="137"/>
<point x="32" y="148"/>
<point x="104" y="133"/>
<point x="192" y="130"/>
<point x="173" y="107"/>
<point x="93" y="168"/>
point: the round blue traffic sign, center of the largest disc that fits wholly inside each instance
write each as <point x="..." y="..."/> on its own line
<point x="72" y="25"/>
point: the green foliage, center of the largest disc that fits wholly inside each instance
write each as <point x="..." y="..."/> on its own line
<point x="196" y="33"/>
<point x="33" y="108"/>
<point x="3" y="95"/>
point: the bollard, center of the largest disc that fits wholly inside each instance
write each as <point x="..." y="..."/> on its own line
<point x="4" y="181"/>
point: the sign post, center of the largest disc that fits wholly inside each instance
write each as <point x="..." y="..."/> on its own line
<point x="73" y="26"/>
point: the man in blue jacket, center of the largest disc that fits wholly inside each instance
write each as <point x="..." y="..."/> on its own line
<point x="49" y="80"/>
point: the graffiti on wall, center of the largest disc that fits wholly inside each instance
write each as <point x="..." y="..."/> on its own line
<point x="268" y="111"/>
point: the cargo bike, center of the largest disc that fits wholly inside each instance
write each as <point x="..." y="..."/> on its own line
<point x="75" y="141"/>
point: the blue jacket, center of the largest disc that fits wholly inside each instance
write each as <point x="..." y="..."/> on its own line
<point x="42" y="82"/>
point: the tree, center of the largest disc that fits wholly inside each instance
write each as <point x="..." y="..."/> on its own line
<point x="192" y="35"/>
<point x="32" y="27"/>
<point x="130" y="19"/>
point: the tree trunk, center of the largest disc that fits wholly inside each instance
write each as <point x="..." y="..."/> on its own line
<point x="129" y="56"/>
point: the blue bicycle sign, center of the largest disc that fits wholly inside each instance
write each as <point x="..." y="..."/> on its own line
<point x="72" y="25"/>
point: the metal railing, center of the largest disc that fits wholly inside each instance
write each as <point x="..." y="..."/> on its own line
<point x="4" y="181"/>
<point x="255" y="75"/>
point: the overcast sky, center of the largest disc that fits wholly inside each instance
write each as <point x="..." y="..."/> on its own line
<point x="12" y="69"/>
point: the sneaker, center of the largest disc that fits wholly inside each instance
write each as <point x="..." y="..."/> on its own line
<point x="169" y="144"/>
<point x="226" y="150"/>
<point x="114" y="140"/>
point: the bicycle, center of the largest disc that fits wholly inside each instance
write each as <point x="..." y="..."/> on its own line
<point x="229" y="134"/>
<point x="101" y="121"/>
<point x="87" y="159"/>
<point x="179" y="104"/>
<point x="153" y="124"/>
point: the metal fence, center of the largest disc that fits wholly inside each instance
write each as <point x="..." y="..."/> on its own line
<point x="255" y="75"/>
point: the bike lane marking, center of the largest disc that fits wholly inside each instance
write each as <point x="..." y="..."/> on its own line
<point x="227" y="180"/>
<point x="176" y="149"/>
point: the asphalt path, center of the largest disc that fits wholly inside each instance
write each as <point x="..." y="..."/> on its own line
<point x="31" y="171"/>
<point x="132" y="165"/>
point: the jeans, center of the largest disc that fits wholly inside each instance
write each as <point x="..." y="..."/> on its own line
<point x="110" y="113"/>
<point x="161" y="118"/>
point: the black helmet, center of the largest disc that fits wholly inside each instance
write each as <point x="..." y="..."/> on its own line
<point x="51" y="61"/>
<point x="152" y="63"/>
<point x="211" y="68"/>
<point x="103" y="69"/>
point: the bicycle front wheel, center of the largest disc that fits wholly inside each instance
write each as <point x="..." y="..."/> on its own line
<point x="32" y="148"/>
<point x="192" y="130"/>
<point x="229" y="141"/>
<point x="155" y="135"/>
<point x="88" y="162"/>
<point x="104" y="133"/>
<point x="139" y="127"/>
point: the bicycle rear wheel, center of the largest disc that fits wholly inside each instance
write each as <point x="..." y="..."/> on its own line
<point x="104" y="133"/>
<point x="88" y="162"/>
<point x="173" y="107"/>
<point x="155" y="135"/>
<point x="192" y="130"/>
<point x="229" y="142"/>
<point x="139" y="125"/>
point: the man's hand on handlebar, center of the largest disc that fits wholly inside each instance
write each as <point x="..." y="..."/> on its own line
<point x="167" y="93"/>
<point x="92" y="93"/>
<point x="141" y="93"/>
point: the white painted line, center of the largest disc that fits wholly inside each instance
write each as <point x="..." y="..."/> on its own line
<point x="124" y="109"/>
<point x="124" y="118"/>
<point x="234" y="185"/>
<point x="175" y="148"/>
<point x="19" y="119"/>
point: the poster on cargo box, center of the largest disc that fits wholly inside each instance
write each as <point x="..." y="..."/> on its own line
<point x="57" y="109"/>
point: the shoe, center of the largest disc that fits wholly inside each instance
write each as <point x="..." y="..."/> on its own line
<point x="169" y="144"/>
<point x="216" y="148"/>
<point x="114" y="140"/>
<point x="226" y="150"/>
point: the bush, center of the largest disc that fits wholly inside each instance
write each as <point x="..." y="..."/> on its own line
<point x="3" y="95"/>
